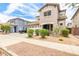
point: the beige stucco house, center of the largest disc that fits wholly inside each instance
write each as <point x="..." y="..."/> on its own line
<point x="75" y="23"/>
<point x="50" y="17"/>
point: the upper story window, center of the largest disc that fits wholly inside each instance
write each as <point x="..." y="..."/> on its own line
<point x="47" y="13"/>
<point x="61" y="24"/>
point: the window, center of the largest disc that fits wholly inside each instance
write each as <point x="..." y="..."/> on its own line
<point x="48" y="13"/>
<point x="61" y="23"/>
<point x="45" y="13"/>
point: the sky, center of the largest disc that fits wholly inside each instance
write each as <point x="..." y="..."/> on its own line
<point x="27" y="11"/>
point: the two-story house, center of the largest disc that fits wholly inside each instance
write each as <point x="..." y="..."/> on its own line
<point x="17" y="24"/>
<point x="75" y="23"/>
<point x="51" y="16"/>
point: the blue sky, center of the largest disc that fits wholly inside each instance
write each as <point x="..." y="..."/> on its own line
<point x="22" y="10"/>
<point x="3" y="6"/>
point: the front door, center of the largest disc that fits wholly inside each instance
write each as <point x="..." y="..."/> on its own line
<point x="15" y="28"/>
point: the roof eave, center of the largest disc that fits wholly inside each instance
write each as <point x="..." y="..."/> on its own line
<point x="48" y="5"/>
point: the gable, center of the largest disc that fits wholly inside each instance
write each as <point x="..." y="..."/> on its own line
<point x="16" y="19"/>
<point x="75" y="14"/>
<point x="49" y="4"/>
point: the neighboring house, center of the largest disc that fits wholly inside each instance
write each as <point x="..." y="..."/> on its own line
<point x="17" y="24"/>
<point x="75" y="23"/>
<point x="51" y="17"/>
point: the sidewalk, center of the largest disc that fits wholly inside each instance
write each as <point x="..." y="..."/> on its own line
<point x="61" y="47"/>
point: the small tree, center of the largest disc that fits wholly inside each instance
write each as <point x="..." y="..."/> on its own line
<point x="30" y="32"/>
<point x="5" y="28"/>
<point x="43" y="33"/>
<point x="2" y="27"/>
<point x="65" y="32"/>
<point x="37" y="32"/>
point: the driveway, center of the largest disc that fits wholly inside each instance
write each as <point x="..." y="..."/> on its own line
<point x="10" y="39"/>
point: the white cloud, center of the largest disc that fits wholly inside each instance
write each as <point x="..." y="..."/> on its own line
<point x="12" y="7"/>
<point x="5" y="18"/>
<point x="15" y="6"/>
<point x="28" y="19"/>
<point x="28" y="10"/>
<point x="35" y="7"/>
<point x="31" y="13"/>
<point x="28" y="7"/>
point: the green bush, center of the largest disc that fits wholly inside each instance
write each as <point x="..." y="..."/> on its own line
<point x="43" y="33"/>
<point x="5" y="28"/>
<point x="37" y="32"/>
<point x="65" y="32"/>
<point x="2" y="27"/>
<point x="30" y="32"/>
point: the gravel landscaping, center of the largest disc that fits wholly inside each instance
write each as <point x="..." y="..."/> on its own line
<point x="26" y="49"/>
<point x="65" y="40"/>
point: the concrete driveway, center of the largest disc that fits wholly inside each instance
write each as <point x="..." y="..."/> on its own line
<point x="10" y="39"/>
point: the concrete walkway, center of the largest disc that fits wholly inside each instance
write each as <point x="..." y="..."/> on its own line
<point x="6" y="40"/>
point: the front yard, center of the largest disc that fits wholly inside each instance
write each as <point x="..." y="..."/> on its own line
<point x="58" y="35"/>
<point x="62" y="40"/>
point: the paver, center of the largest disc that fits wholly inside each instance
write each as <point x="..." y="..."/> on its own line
<point x="26" y="49"/>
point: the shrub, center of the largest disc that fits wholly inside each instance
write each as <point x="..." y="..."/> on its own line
<point x="37" y="32"/>
<point x="65" y="32"/>
<point x="56" y="31"/>
<point x="43" y="33"/>
<point x="30" y="32"/>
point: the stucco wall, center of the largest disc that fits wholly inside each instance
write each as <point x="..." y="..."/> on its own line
<point x="75" y="24"/>
<point x="76" y="20"/>
<point x="49" y="19"/>
<point x="20" y="24"/>
<point x="63" y="22"/>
